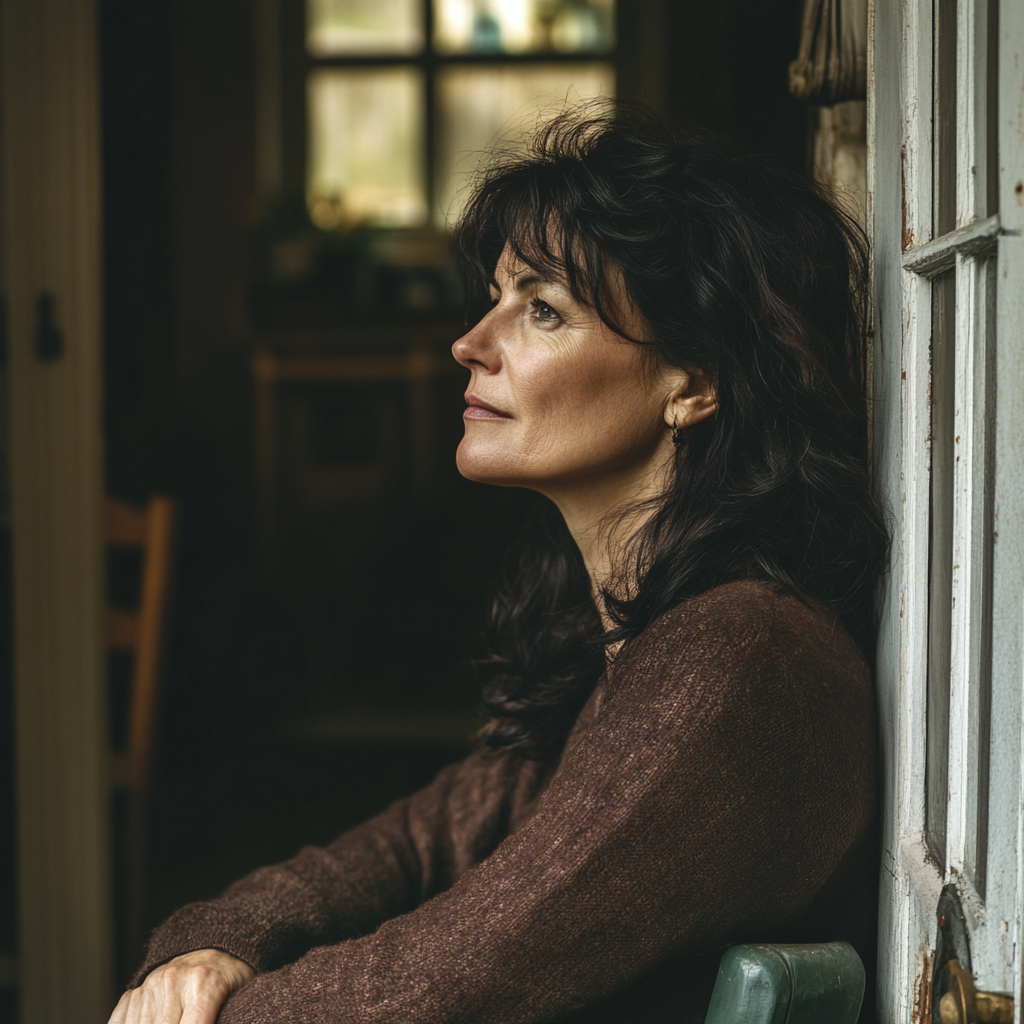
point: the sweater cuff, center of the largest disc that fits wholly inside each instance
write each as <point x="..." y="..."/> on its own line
<point x="208" y="926"/>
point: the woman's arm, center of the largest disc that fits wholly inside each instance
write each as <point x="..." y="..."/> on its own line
<point x="729" y="770"/>
<point x="382" y="868"/>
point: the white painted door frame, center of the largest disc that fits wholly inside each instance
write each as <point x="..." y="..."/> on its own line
<point x="50" y="145"/>
<point x="987" y="494"/>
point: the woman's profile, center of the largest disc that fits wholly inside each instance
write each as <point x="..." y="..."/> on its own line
<point x="666" y="342"/>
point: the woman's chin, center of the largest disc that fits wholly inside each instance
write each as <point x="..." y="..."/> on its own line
<point x="481" y="471"/>
<point x="484" y="464"/>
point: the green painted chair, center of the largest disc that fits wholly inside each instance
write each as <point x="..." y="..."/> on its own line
<point x="788" y="984"/>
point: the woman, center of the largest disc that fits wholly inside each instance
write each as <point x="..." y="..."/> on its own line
<point x="680" y="743"/>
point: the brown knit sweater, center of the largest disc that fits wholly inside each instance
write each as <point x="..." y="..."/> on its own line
<point x="719" y="785"/>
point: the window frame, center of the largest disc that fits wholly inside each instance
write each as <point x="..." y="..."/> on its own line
<point x="986" y="655"/>
<point x="297" y="64"/>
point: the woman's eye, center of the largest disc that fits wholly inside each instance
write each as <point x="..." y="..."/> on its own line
<point x="543" y="312"/>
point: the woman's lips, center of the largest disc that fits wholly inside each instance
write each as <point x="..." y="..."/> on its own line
<point x="478" y="409"/>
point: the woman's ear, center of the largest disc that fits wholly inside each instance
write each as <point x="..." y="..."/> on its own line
<point x="692" y="399"/>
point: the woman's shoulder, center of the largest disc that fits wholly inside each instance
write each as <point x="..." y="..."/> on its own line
<point x="749" y="676"/>
<point x="743" y="628"/>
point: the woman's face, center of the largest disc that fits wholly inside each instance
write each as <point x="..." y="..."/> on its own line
<point x="556" y="398"/>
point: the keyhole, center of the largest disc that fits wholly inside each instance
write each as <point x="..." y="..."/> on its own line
<point x="49" y="340"/>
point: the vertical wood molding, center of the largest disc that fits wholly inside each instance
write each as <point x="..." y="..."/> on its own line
<point x="51" y="177"/>
<point x="1008" y="555"/>
<point x="900" y="206"/>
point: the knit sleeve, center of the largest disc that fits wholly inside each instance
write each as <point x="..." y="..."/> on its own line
<point x="378" y="870"/>
<point x="728" y="771"/>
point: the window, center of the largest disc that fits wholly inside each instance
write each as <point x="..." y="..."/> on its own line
<point x="403" y="95"/>
<point x="954" y="273"/>
<point x="948" y="253"/>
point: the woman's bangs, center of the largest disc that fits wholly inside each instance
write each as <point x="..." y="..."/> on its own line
<point x="524" y="209"/>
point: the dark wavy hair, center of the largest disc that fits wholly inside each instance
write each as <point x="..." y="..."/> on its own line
<point x="742" y="271"/>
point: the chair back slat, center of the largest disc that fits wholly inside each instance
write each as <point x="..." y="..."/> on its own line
<point x="141" y="632"/>
<point x="126" y="524"/>
<point x="122" y="629"/>
<point x="152" y="618"/>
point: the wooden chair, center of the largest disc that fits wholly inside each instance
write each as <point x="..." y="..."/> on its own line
<point x="788" y="984"/>
<point x="142" y="633"/>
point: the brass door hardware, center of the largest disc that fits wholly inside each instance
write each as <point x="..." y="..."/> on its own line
<point x="963" y="1004"/>
<point x="954" y="997"/>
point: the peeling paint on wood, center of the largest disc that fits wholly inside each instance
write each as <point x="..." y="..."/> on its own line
<point x="908" y="234"/>
<point x="921" y="1011"/>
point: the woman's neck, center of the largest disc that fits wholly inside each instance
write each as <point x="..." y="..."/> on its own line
<point x="603" y="516"/>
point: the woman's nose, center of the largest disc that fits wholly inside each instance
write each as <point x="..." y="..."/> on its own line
<point x="476" y="349"/>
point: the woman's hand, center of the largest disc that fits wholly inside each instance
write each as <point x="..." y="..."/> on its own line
<point x="190" y="989"/>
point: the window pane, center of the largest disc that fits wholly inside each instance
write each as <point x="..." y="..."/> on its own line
<point x="366" y="147"/>
<point x="524" y="26"/>
<point x="985" y="681"/>
<point x="338" y="27"/>
<point x="992" y="103"/>
<point x="940" y="576"/>
<point x="944" y="100"/>
<point x="479" y="105"/>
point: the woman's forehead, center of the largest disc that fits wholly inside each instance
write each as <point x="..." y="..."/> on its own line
<point x="512" y="270"/>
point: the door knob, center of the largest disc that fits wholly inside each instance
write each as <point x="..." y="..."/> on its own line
<point x="963" y="1004"/>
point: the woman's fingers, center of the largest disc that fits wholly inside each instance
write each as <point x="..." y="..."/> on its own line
<point x="162" y="1004"/>
<point x="151" y="1006"/>
<point x="205" y="990"/>
<point x="203" y="1010"/>
<point x="168" y="1009"/>
<point x="189" y="989"/>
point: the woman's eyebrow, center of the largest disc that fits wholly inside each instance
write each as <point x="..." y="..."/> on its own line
<point x="523" y="279"/>
<point x="522" y="283"/>
<point x="526" y="278"/>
